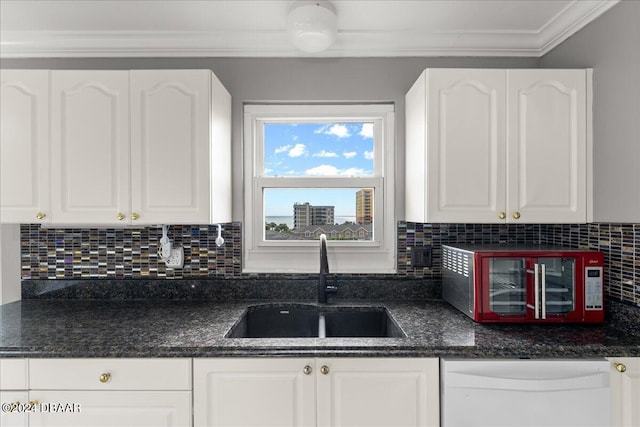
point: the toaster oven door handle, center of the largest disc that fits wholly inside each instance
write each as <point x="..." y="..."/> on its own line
<point x="536" y="290"/>
<point x="543" y="280"/>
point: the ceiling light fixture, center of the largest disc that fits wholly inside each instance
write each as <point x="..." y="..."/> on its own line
<point x="312" y="25"/>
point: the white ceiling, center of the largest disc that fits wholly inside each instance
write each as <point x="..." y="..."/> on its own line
<point x="256" y="28"/>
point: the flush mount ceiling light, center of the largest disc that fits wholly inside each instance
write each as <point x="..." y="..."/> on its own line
<point x="312" y="25"/>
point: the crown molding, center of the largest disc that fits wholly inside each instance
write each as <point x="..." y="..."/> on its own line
<point x="571" y="20"/>
<point x="275" y="43"/>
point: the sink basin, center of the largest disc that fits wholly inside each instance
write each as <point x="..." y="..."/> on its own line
<point x="373" y="323"/>
<point x="310" y="321"/>
<point x="267" y="321"/>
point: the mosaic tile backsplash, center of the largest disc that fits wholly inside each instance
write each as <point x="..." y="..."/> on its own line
<point x="71" y="254"/>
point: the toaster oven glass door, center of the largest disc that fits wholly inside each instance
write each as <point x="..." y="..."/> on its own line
<point x="529" y="288"/>
<point x="507" y="286"/>
<point x="559" y="290"/>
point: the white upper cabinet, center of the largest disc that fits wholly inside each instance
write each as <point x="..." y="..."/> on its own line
<point x="24" y="145"/>
<point x="127" y="147"/>
<point x="172" y="144"/>
<point x="90" y="147"/>
<point x="455" y="146"/>
<point x="492" y="146"/>
<point x="547" y="145"/>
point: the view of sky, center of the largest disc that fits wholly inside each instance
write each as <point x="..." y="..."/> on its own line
<point x="312" y="150"/>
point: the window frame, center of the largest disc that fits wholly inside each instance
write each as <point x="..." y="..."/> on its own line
<point x="291" y="256"/>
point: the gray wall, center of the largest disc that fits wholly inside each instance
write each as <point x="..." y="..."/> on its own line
<point x="611" y="46"/>
<point x="282" y="79"/>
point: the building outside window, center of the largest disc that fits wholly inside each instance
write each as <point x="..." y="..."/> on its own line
<point x="364" y="206"/>
<point x="305" y="214"/>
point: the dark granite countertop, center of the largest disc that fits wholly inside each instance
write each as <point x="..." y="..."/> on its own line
<point x="107" y="328"/>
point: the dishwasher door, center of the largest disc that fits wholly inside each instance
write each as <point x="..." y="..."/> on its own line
<point x="533" y="393"/>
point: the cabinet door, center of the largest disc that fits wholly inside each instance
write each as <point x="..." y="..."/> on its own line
<point x="547" y="146"/>
<point x="170" y="136"/>
<point x="625" y="391"/>
<point x="17" y="415"/>
<point x="24" y="144"/>
<point x="90" y="147"/>
<point x="380" y="392"/>
<point x="111" y="408"/>
<point x="455" y="146"/>
<point x="254" y="392"/>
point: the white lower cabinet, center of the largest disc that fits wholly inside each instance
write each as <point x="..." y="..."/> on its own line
<point x="13" y="412"/>
<point x="111" y="408"/>
<point x="625" y="391"/>
<point x="110" y="392"/>
<point x="310" y="392"/>
<point x="378" y="392"/>
<point x="254" y="392"/>
<point x="14" y="397"/>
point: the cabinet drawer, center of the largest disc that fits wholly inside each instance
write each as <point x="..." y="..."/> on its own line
<point x="111" y="408"/>
<point x="110" y="374"/>
<point x="13" y="374"/>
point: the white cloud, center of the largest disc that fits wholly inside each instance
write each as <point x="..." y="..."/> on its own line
<point x="283" y="149"/>
<point x="329" y="170"/>
<point x="324" y="153"/>
<point x="340" y="131"/>
<point x="298" y="150"/>
<point x="322" y="170"/>
<point x="367" y="130"/>
<point x="350" y="154"/>
<point x="368" y="155"/>
<point x="353" y="172"/>
<point x="321" y="129"/>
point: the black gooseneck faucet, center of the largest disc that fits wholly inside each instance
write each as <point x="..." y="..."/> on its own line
<point x="323" y="289"/>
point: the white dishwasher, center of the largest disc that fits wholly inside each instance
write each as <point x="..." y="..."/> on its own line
<point x="532" y="393"/>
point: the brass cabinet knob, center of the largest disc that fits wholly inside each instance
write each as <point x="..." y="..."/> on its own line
<point x="41" y="215"/>
<point x="104" y="378"/>
<point x="324" y="370"/>
<point x="620" y="367"/>
<point x="502" y="215"/>
<point x="135" y="216"/>
<point x="33" y="403"/>
<point x="516" y="215"/>
<point x="307" y="370"/>
<point x="120" y="216"/>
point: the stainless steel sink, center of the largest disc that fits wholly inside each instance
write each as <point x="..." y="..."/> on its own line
<point x="310" y="321"/>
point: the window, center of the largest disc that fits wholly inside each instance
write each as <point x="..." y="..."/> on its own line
<point x="319" y="169"/>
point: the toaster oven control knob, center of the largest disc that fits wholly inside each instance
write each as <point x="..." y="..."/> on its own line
<point x="516" y="215"/>
<point x="620" y="367"/>
<point x="502" y="215"/>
